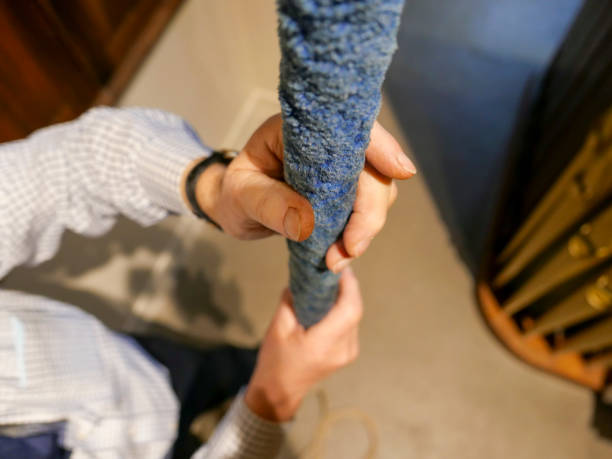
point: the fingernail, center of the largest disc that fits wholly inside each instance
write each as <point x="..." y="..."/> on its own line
<point x="406" y="164"/>
<point x="361" y="246"/>
<point x="341" y="265"/>
<point x="292" y="224"/>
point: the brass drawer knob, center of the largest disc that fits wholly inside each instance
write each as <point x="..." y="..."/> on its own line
<point x="579" y="245"/>
<point x="599" y="295"/>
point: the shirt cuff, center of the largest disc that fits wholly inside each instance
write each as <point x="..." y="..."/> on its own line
<point x="242" y="433"/>
<point x="169" y="146"/>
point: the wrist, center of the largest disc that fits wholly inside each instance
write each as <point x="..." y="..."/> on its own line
<point x="206" y="189"/>
<point x="272" y="405"/>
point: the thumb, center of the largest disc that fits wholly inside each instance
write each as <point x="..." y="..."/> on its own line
<point x="276" y="205"/>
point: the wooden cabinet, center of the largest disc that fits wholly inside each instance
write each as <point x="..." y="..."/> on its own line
<point x="59" y="57"/>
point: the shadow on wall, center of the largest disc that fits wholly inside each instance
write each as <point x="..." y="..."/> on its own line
<point x="104" y="276"/>
<point x="456" y="84"/>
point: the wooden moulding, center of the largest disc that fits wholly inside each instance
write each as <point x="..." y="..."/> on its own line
<point x="122" y="75"/>
<point x="535" y="350"/>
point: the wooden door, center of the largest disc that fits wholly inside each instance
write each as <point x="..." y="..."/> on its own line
<point x="59" y="57"/>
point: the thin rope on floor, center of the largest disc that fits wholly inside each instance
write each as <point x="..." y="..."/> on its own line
<point x="328" y="418"/>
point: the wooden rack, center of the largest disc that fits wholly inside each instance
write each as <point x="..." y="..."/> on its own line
<point x="545" y="287"/>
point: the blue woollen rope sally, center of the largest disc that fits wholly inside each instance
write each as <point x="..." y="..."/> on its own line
<point x="335" y="54"/>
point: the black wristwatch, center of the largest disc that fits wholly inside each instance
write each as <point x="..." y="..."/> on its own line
<point x="218" y="156"/>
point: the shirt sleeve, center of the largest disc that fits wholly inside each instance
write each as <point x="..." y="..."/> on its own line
<point x="81" y="175"/>
<point x="242" y="434"/>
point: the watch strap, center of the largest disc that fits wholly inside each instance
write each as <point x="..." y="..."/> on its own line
<point x="218" y="156"/>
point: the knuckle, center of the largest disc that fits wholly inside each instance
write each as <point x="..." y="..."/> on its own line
<point x="330" y="364"/>
<point x="392" y="194"/>
<point x="382" y="219"/>
<point x="276" y="336"/>
<point x="349" y="357"/>
<point x="339" y="362"/>
<point x="376" y="221"/>
<point x="358" y="314"/>
<point x="353" y="315"/>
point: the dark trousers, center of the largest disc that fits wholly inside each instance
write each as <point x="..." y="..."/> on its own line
<point x="201" y="379"/>
<point x="40" y="446"/>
